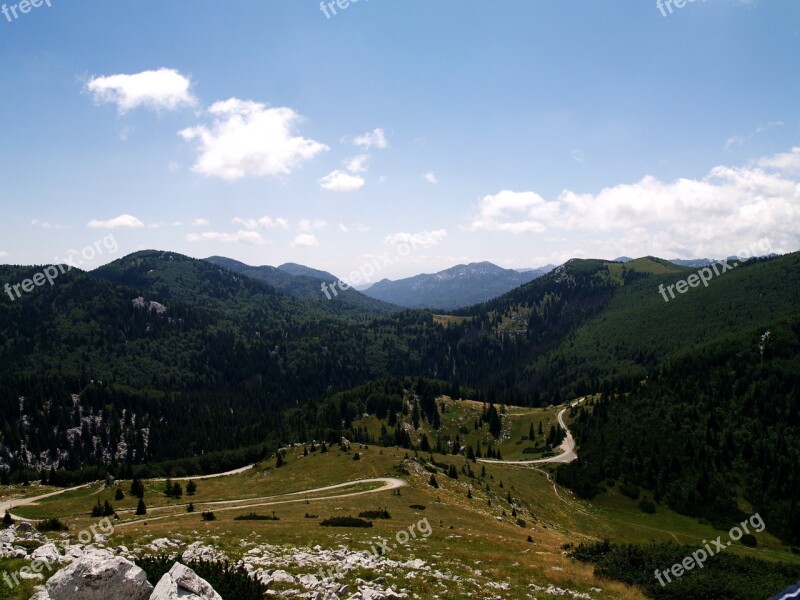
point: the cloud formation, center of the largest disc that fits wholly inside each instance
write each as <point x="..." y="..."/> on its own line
<point x="340" y="181"/>
<point x="424" y="239"/>
<point x="714" y="215"/>
<point x="247" y="138"/>
<point x="163" y="89"/>
<point x="120" y="222"/>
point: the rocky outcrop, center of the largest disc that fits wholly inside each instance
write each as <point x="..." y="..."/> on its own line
<point x="98" y="576"/>
<point x="181" y="582"/>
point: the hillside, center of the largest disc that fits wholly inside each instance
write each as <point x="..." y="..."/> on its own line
<point x="307" y="284"/>
<point x="457" y="287"/>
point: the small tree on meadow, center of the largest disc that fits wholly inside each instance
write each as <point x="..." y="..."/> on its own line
<point x="141" y="509"/>
<point x="191" y="488"/>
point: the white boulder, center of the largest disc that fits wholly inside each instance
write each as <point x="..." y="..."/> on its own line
<point x="181" y="582"/>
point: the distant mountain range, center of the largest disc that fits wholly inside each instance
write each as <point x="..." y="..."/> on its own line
<point x="457" y="287"/>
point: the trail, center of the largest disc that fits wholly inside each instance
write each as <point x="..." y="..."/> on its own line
<point x="568" y="453"/>
<point x="8" y="505"/>
<point x="390" y="483"/>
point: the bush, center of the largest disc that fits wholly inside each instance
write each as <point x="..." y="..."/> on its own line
<point x="209" y="516"/>
<point x="230" y="582"/>
<point x="647" y="506"/>
<point x="375" y="514"/>
<point x="51" y="525"/>
<point x="748" y="539"/>
<point x="119" y="495"/>
<point x="416" y="506"/>
<point x="308" y="516"/>
<point x="629" y="490"/>
<point x="254" y="517"/>
<point x="7" y="519"/>
<point x="345" y="522"/>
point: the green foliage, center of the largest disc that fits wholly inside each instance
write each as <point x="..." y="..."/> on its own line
<point x="346" y="522"/>
<point x="255" y="517"/>
<point x="51" y="525"/>
<point x="725" y="576"/>
<point x="230" y="581"/>
<point x="723" y="413"/>
<point x="375" y="514"/>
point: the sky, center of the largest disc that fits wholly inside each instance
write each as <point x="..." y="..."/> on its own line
<point x="414" y="135"/>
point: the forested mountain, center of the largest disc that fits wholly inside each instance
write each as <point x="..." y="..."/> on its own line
<point x="307" y="284"/>
<point x="457" y="287"/>
<point x="158" y="356"/>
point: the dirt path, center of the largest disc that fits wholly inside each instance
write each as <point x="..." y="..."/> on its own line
<point x="567" y="447"/>
<point x="390" y="483"/>
<point x="8" y="505"/>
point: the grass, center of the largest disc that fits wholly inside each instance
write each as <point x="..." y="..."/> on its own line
<point x="477" y="539"/>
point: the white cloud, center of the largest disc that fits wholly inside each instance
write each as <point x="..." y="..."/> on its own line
<point x="374" y="139"/>
<point x="425" y="239"/>
<point x="262" y="223"/>
<point x="344" y="228"/>
<point x="578" y="156"/>
<point x="4" y="254"/>
<point x="430" y="177"/>
<point x="788" y="162"/>
<point x="163" y="89"/>
<point x="306" y="240"/>
<point x="120" y="222"/>
<point x="339" y="181"/>
<point x="46" y="225"/>
<point x="307" y="225"/>
<point x="713" y="216"/>
<point x="357" y="164"/>
<point x="240" y="237"/>
<point x="155" y="225"/>
<point x="248" y="139"/>
<point x="200" y="222"/>
<point x="734" y="140"/>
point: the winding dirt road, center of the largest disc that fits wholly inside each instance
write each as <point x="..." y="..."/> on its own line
<point x="8" y="505"/>
<point x="567" y="447"/>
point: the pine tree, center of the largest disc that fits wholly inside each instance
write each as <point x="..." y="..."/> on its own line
<point x="433" y="482"/>
<point x="141" y="509"/>
<point x="531" y="435"/>
<point x="191" y="487"/>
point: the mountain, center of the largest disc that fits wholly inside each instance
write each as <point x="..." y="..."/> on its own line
<point x="457" y="287"/>
<point x="693" y="262"/>
<point x="158" y="356"/>
<point x="306" y="283"/>
<point x="295" y="269"/>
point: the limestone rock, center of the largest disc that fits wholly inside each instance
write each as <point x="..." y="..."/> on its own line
<point x="181" y="582"/>
<point x="99" y="576"/>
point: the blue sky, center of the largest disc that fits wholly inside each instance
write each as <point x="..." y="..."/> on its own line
<point x="521" y="132"/>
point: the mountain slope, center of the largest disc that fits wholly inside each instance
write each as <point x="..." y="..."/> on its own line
<point x="459" y="286"/>
<point x="307" y="284"/>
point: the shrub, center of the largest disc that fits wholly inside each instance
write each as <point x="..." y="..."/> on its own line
<point x="230" y="581"/>
<point x="7" y="519"/>
<point x="119" y="495"/>
<point x="209" y="516"/>
<point x="375" y="514"/>
<point x="51" y="525"/>
<point x="629" y="490"/>
<point x="748" y="539"/>
<point x="308" y="516"/>
<point x="345" y="522"/>
<point x="416" y="506"/>
<point x="255" y="517"/>
<point x="433" y="482"/>
<point x="647" y="506"/>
